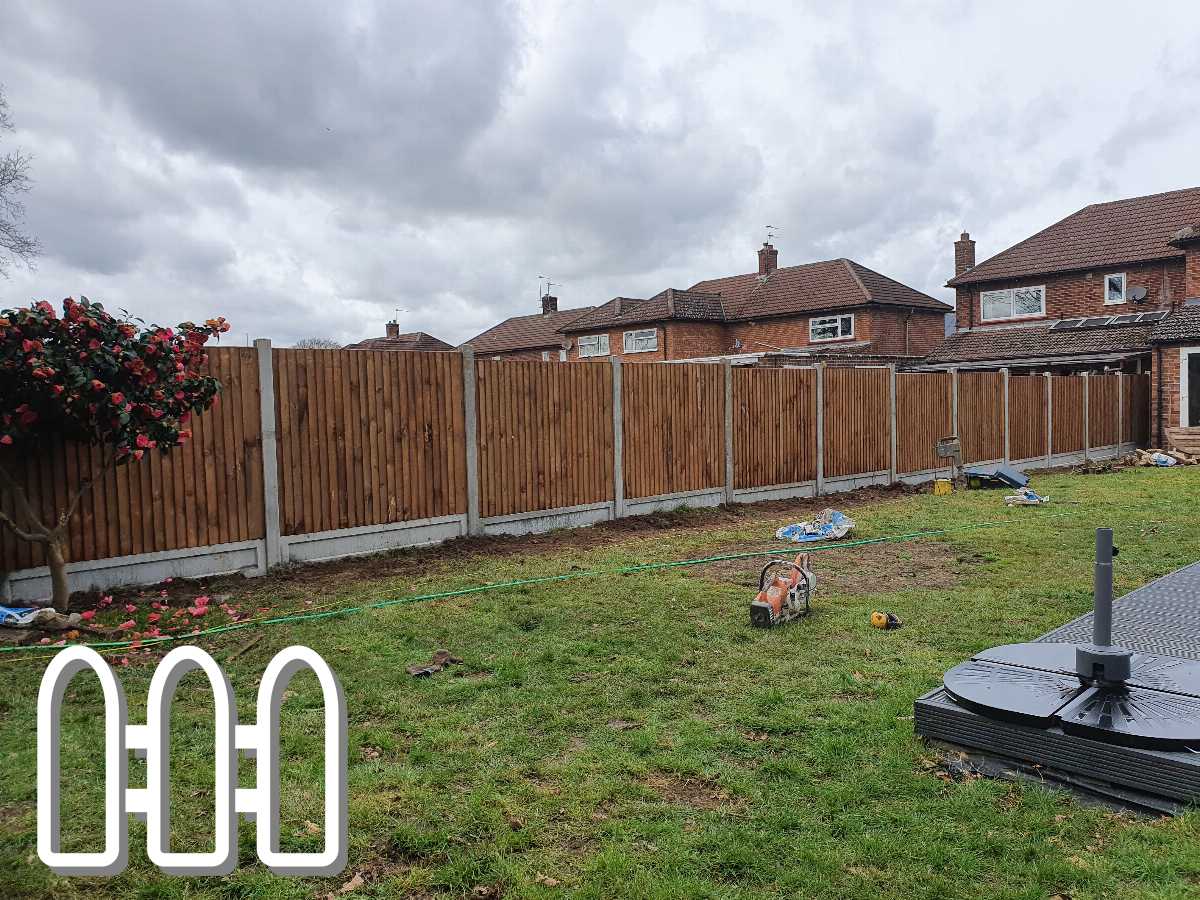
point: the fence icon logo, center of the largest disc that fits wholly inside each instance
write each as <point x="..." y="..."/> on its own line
<point x="261" y="740"/>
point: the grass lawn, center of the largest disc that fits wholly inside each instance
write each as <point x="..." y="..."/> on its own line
<point x="633" y="736"/>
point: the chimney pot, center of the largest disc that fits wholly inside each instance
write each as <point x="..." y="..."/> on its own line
<point x="964" y="254"/>
<point x="393" y="329"/>
<point x="768" y="259"/>
<point x="549" y="304"/>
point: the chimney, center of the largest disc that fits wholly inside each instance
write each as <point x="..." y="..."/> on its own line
<point x="549" y="304"/>
<point x="393" y="329"/>
<point x="768" y="260"/>
<point x="964" y="254"/>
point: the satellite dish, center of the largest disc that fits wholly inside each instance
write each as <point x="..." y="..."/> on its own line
<point x="1138" y="295"/>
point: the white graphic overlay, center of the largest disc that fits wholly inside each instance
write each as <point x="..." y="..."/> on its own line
<point x="260" y="740"/>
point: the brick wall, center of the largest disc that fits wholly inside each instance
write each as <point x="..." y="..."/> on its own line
<point x="616" y="344"/>
<point x="1191" y="284"/>
<point x="521" y="354"/>
<point x="1166" y="374"/>
<point x="1080" y="293"/>
<point x="883" y="327"/>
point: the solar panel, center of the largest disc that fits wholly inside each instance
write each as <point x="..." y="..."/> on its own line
<point x="1125" y="319"/>
<point x="1153" y="316"/>
<point x="1097" y="320"/>
<point x="1066" y="324"/>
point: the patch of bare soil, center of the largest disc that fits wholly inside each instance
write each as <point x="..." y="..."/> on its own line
<point x="698" y="793"/>
<point x="866" y="569"/>
<point x="309" y="579"/>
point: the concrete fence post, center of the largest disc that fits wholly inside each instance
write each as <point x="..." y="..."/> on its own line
<point x="727" y="367"/>
<point x="1087" y="433"/>
<point x="895" y="438"/>
<point x="618" y="426"/>
<point x="1007" y="427"/>
<point x="270" y="452"/>
<point x="1049" y="416"/>
<point x="471" y="431"/>
<point x="820" y="403"/>
<point x="1120" y="411"/>
<point x="954" y="402"/>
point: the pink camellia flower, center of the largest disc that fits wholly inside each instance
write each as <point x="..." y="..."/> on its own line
<point x="87" y="615"/>
<point x="198" y="611"/>
<point x="127" y="625"/>
<point x="155" y="605"/>
<point x="106" y="599"/>
<point x="202" y="600"/>
<point x="44" y="641"/>
<point x="153" y="617"/>
<point x="130" y="608"/>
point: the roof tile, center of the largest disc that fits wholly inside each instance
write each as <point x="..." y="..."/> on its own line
<point x="1139" y="229"/>
<point x="533" y="332"/>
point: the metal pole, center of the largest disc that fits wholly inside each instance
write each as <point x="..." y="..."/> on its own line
<point x="1102" y="616"/>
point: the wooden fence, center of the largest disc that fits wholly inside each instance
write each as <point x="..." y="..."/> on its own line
<point x="368" y="440"/>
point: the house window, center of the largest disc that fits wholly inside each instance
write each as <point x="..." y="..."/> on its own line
<point x="642" y="341"/>
<point x="1015" y="303"/>
<point x="593" y="345"/>
<point x="1114" y="289"/>
<point x="831" y="328"/>
<point x="562" y="355"/>
<point x="545" y="356"/>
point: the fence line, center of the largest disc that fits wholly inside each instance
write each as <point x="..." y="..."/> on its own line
<point x="373" y="449"/>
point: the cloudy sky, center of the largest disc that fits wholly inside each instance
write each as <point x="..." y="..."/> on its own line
<point x="306" y="168"/>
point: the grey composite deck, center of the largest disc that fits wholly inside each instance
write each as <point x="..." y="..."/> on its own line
<point x="1162" y="618"/>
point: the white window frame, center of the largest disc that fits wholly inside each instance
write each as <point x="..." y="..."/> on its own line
<point x="1185" y="355"/>
<point x="545" y="356"/>
<point x="821" y="321"/>
<point x="597" y="345"/>
<point x="1012" y="313"/>
<point x="629" y="340"/>
<point x="1124" y="289"/>
<point x="562" y="355"/>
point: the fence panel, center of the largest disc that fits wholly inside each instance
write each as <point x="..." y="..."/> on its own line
<point x="367" y="437"/>
<point x="981" y="415"/>
<point x="1027" y="416"/>
<point x="674" y="427"/>
<point x="1067" y="392"/>
<point x="1102" y="410"/>
<point x="1137" y="409"/>
<point x="774" y="426"/>
<point x="923" y="414"/>
<point x="545" y="435"/>
<point x="857" y="426"/>
<point x="209" y="491"/>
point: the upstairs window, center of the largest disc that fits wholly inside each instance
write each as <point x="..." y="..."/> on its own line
<point x="1114" y="289"/>
<point x="641" y="341"/>
<point x="545" y="356"/>
<point x="1014" y="303"/>
<point x="593" y="345"/>
<point x="831" y="328"/>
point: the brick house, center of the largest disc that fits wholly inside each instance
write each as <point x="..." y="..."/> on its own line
<point x="837" y="306"/>
<point x="535" y="336"/>
<point x="394" y="340"/>
<point x="1112" y="287"/>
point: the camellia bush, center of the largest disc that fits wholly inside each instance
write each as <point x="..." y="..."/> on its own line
<point x="87" y="376"/>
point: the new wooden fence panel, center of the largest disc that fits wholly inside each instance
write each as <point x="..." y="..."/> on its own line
<point x="857" y="421"/>
<point x="923" y="414"/>
<point x="545" y="435"/>
<point x="1027" y="416"/>
<point x="674" y="427"/>
<point x="1137" y="400"/>
<point x="774" y="426"/>
<point x="981" y="415"/>
<point x="1102" y="410"/>
<point x="367" y="437"/>
<point x="209" y="491"/>
<point x="1067" y="391"/>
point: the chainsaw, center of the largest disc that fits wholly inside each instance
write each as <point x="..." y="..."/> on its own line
<point x="785" y="590"/>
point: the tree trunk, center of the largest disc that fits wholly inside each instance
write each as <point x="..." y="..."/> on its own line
<point x="56" y="558"/>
